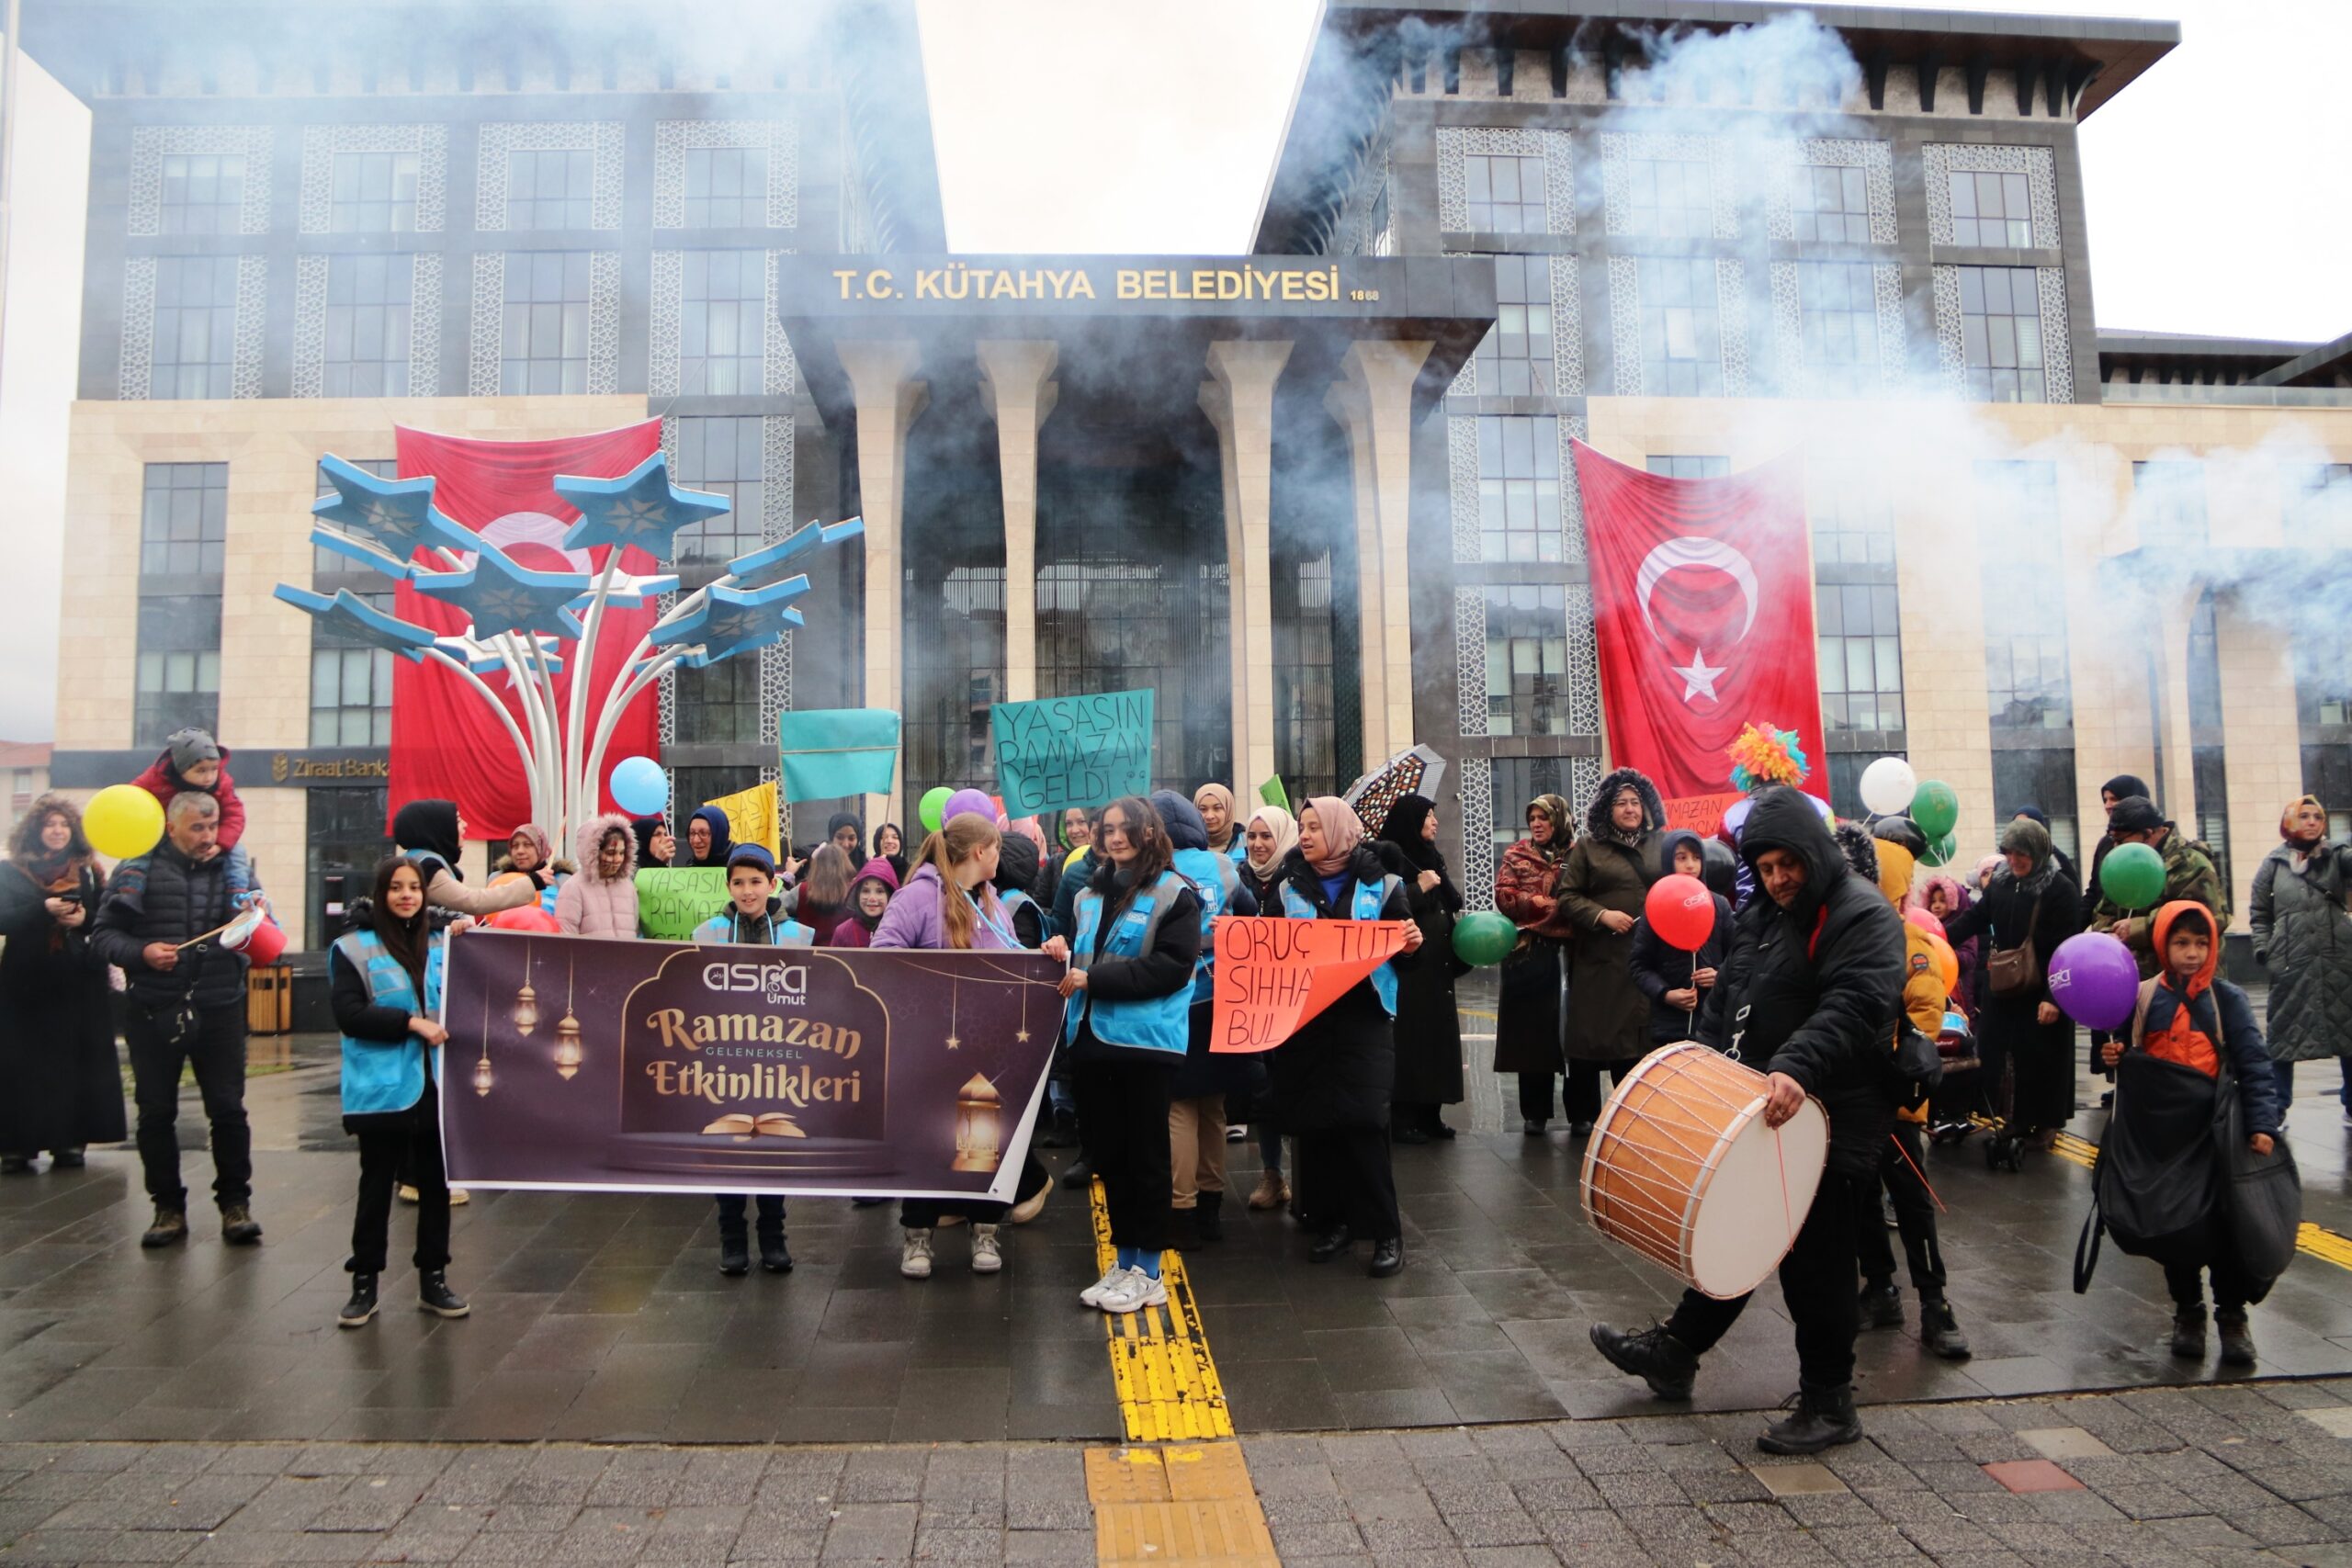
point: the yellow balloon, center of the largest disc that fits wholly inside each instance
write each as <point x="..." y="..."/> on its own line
<point x="122" y="820"/>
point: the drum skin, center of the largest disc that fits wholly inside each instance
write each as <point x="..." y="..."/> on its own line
<point x="1681" y="1168"/>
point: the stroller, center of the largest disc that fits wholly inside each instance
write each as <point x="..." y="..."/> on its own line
<point x="1970" y="1098"/>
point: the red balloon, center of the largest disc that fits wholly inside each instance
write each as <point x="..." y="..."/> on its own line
<point x="1925" y="921"/>
<point x="1682" y="911"/>
<point x="526" y="918"/>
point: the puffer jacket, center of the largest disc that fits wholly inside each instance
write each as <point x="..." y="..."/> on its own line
<point x="163" y="895"/>
<point x="1811" y="990"/>
<point x="589" y="904"/>
<point x="2303" y="935"/>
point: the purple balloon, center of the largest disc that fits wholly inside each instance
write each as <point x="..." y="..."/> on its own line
<point x="971" y="800"/>
<point x="2095" y="980"/>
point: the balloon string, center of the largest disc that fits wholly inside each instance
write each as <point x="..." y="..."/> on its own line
<point x="1917" y="1172"/>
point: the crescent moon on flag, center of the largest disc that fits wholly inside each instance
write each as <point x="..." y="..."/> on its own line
<point x="1678" y="553"/>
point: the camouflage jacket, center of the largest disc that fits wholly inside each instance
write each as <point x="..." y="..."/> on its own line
<point x="2190" y="874"/>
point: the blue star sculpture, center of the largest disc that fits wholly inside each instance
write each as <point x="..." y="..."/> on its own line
<point x="396" y="513"/>
<point x="765" y="564"/>
<point x="629" y="593"/>
<point x="364" y="551"/>
<point x="504" y="597"/>
<point x="728" y="621"/>
<point x="484" y="660"/>
<point x="355" y="618"/>
<point x="639" y="510"/>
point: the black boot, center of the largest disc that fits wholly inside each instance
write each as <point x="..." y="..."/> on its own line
<point x="1820" y="1419"/>
<point x="734" y="1254"/>
<point x="1075" y="1178"/>
<point x="1060" y="1132"/>
<point x="2188" y="1332"/>
<point x="2237" y="1339"/>
<point x="1183" y="1230"/>
<point x="433" y="1295"/>
<point x="775" y="1256"/>
<point x="1329" y="1244"/>
<point x="1656" y="1357"/>
<point x="1387" y="1257"/>
<point x="362" y="1304"/>
<point x="1939" y="1331"/>
<point x="1403" y="1129"/>
<point x="74" y="1158"/>
<point x="1882" y="1306"/>
<point x="1212" y="1217"/>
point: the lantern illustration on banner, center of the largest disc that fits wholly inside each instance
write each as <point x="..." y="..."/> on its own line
<point x="979" y="1113"/>
<point x="481" y="1069"/>
<point x="526" y="1000"/>
<point x="567" y="1033"/>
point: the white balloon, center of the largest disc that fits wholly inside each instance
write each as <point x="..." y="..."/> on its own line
<point x="1888" y="785"/>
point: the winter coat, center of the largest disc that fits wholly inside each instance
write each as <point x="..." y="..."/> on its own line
<point x="1428" y="1020"/>
<point x="1609" y="1016"/>
<point x="426" y="833"/>
<point x="1076" y="872"/>
<point x="1811" y="990"/>
<point x="2042" y="1053"/>
<point x="1203" y="1073"/>
<point x="2303" y="935"/>
<point x="1658" y="968"/>
<point x="590" y="905"/>
<point x="1527" y="890"/>
<point x="163" y="895"/>
<point x="918" y="917"/>
<point x="2223" y="1015"/>
<point x="2189" y="874"/>
<point x="850" y="930"/>
<point x="1339" y="1070"/>
<point x="163" y="780"/>
<point x="59" y="1088"/>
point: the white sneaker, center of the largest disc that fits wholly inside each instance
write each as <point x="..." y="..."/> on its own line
<point x="1237" y="1133"/>
<point x="1135" y="1290"/>
<point x="914" y="1258"/>
<point x="986" y="1259"/>
<point x="1092" y="1295"/>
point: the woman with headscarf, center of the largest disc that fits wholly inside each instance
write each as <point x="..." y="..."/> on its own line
<point x="890" y="845"/>
<point x="1330" y="1081"/>
<point x="529" y="853"/>
<point x="59" y="1088"/>
<point x="2303" y="937"/>
<point x="1429" y="1029"/>
<point x="842" y="830"/>
<point x="2066" y="866"/>
<point x="1227" y="834"/>
<point x="654" y="844"/>
<point x="710" y="837"/>
<point x="2027" y="903"/>
<point x="433" y="834"/>
<point x="1602" y="887"/>
<point x="1528" y="1017"/>
<point x="1266" y="842"/>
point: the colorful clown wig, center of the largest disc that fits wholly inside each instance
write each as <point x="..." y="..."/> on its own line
<point x="1766" y="756"/>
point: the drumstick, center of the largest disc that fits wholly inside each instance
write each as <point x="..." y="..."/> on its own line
<point x="208" y="936"/>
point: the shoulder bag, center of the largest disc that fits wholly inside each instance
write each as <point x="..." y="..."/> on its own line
<point x="2016" y="971"/>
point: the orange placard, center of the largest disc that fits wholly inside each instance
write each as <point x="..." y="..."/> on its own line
<point x="1701" y="814"/>
<point x="1275" y="974"/>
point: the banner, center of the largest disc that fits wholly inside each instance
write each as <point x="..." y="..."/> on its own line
<point x="673" y="901"/>
<point x="1064" y="752"/>
<point x="1274" y="974"/>
<point x="752" y="816"/>
<point x="445" y="743"/>
<point x="826" y="752"/>
<point x="646" y="1066"/>
<point x="1703" y="609"/>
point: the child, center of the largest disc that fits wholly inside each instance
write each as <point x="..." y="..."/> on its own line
<point x="751" y="917"/>
<point x="869" y="900"/>
<point x="1677" y="982"/>
<point x="193" y="760"/>
<point x="600" y="898"/>
<point x="2190" y="1016"/>
<point x="385" y="982"/>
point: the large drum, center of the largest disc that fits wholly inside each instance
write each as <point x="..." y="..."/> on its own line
<point x="1681" y="1168"/>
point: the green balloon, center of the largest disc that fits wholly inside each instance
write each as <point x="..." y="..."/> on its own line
<point x="934" y="802"/>
<point x="2132" y="876"/>
<point x="1484" y="938"/>
<point x="1939" y="853"/>
<point x="1936" y="808"/>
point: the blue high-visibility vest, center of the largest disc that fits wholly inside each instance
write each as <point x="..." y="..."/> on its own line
<point x="1149" y="1023"/>
<point x="1370" y="898"/>
<point x="385" y="1075"/>
<point x="1213" y="879"/>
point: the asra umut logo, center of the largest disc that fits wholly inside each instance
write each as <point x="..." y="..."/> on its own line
<point x="776" y="982"/>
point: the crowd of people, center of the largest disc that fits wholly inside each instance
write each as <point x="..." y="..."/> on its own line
<point x="1811" y="970"/>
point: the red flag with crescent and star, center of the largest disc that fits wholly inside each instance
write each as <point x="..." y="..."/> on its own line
<point x="447" y="744"/>
<point x="1702" y="610"/>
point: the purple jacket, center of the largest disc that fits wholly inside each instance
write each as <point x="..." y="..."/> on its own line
<point x="915" y="917"/>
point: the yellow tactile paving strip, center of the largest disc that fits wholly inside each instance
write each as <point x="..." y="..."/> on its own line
<point x="1160" y="1358"/>
<point x="1178" y="1503"/>
<point x="2314" y="1241"/>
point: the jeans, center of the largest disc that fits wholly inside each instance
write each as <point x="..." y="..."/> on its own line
<point x="1269" y="1146"/>
<point x="732" y="1208"/>
<point x="216" y="1047"/>
<point x="1816" y="1285"/>
<point x="404" y="1147"/>
<point x="1123" y="1123"/>
<point x="1901" y="1169"/>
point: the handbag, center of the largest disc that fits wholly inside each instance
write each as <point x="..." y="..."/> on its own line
<point x="2262" y="1195"/>
<point x="2016" y="971"/>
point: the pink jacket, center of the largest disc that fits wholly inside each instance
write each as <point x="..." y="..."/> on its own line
<point x="588" y="904"/>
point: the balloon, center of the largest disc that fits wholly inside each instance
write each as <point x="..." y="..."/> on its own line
<point x="1939" y="853"/>
<point x="1900" y="830"/>
<point x="1926" y="922"/>
<point x="931" y="813"/>
<point x="122" y="820"/>
<point x="1888" y="785"/>
<point x="972" y="800"/>
<point x="1936" y="807"/>
<point x="1822" y="808"/>
<point x="2094" y="978"/>
<point x="1485" y="938"/>
<point x="640" y="786"/>
<point x="527" y="918"/>
<point x="2132" y="877"/>
<point x="1681" y="910"/>
<point x="1947" y="964"/>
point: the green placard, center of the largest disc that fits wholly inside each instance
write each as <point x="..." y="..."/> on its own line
<point x="671" y="902"/>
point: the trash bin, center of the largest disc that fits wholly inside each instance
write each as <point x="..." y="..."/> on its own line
<point x="269" y="998"/>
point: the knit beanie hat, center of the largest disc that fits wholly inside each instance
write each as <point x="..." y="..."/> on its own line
<point x="2134" y="813"/>
<point x="189" y="747"/>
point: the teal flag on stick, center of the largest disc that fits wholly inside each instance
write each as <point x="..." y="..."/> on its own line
<point x="834" y="752"/>
<point x="1064" y="752"/>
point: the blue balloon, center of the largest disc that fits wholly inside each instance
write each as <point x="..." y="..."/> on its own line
<point x="640" y="787"/>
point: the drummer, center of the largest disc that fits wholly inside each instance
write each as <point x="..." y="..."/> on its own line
<point x="1808" y="996"/>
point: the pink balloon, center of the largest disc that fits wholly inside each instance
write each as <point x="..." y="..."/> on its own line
<point x="526" y="918"/>
<point x="1926" y="922"/>
<point x="1681" y="910"/>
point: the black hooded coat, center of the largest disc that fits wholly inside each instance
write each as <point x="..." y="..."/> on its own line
<point x="1608" y="1017"/>
<point x="1429" y="1026"/>
<point x="1339" y="1070"/>
<point x="1658" y="968"/>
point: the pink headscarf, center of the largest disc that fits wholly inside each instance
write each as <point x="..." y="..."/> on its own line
<point x="1028" y="827"/>
<point x="1342" y="832"/>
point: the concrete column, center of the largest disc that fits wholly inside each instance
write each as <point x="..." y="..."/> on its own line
<point x="1372" y="400"/>
<point x="889" y="398"/>
<point x="1015" y="384"/>
<point x="2261" y="743"/>
<point x="1239" y="400"/>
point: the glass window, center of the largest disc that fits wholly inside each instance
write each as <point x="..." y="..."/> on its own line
<point x="1831" y="206"/>
<point x="2000" y="328"/>
<point x="1506" y="193"/>
<point x="1672" y="198"/>
<point x="196" y="327"/>
<point x="2319" y="503"/>
<point x="1991" y="210"/>
<point x="544" y="346"/>
<point x="722" y="328"/>
<point x="1845" y="781"/>
<point x="1681" y="354"/>
<point x="726" y="187"/>
<point x="202" y="192"/>
<point x="2204" y="665"/>
<point x="1860" y="656"/>
<point x="1518" y="488"/>
<point x="691" y="788"/>
<point x="1852" y="517"/>
<point x="367" y="325"/>
<point x="1519" y="780"/>
<point x="1306" y="713"/>
<point x="346" y="839"/>
<point x="2324" y="680"/>
<point x="325" y="562"/>
<point x="552" y="189"/>
<point x="953" y="670"/>
<point x="1689" y="465"/>
<point x="351" y="691"/>
<point x="1515" y="359"/>
<point x="179" y="666"/>
<point x="2168" y="498"/>
<point x="1527" y="660"/>
<point x="183" y="520"/>
<point x="2045" y="780"/>
<point x="718" y="705"/>
<point x="2026" y="682"/>
<point x="722" y="454"/>
<point x="373" y="193"/>
<point x="1838" y="317"/>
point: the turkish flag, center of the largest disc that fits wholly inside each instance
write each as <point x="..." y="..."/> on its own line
<point x="445" y="744"/>
<point x="1703" y="609"/>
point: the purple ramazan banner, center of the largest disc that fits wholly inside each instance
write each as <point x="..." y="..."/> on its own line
<point x="655" y="1065"/>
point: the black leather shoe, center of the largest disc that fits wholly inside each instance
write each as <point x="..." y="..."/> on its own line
<point x="1408" y="1134"/>
<point x="734" y="1256"/>
<point x="433" y="1295"/>
<point x="1882" y="1306"/>
<point x="1439" y="1131"/>
<point x="1076" y="1178"/>
<point x="1579" y="1129"/>
<point x="15" y="1165"/>
<point x="1212" y="1217"/>
<point x="1532" y="1126"/>
<point x="362" y="1304"/>
<point x="1939" y="1331"/>
<point x="1819" y="1418"/>
<point x="775" y="1256"/>
<point x="1183" y="1230"/>
<point x="1656" y="1357"/>
<point x="68" y="1159"/>
<point x="1329" y="1244"/>
<point x="1387" y="1257"/>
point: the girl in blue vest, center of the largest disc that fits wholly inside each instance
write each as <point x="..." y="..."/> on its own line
<point x="385" y="982"/>
<point x="1197" y="1095"/>
<point x="1133" y="954"/>
<point x="753" y="916"/>
<point x="1331" y="1082"/>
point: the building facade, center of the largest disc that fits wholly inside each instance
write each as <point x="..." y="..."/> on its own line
<point x="1319" y="499"/>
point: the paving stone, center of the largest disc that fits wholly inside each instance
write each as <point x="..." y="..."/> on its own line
<point x="1801" y="1477"/>
<point x="1327" y="1538"/>
<point x="2064" y="1443"/>
<point x="1512" y="1527"/>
